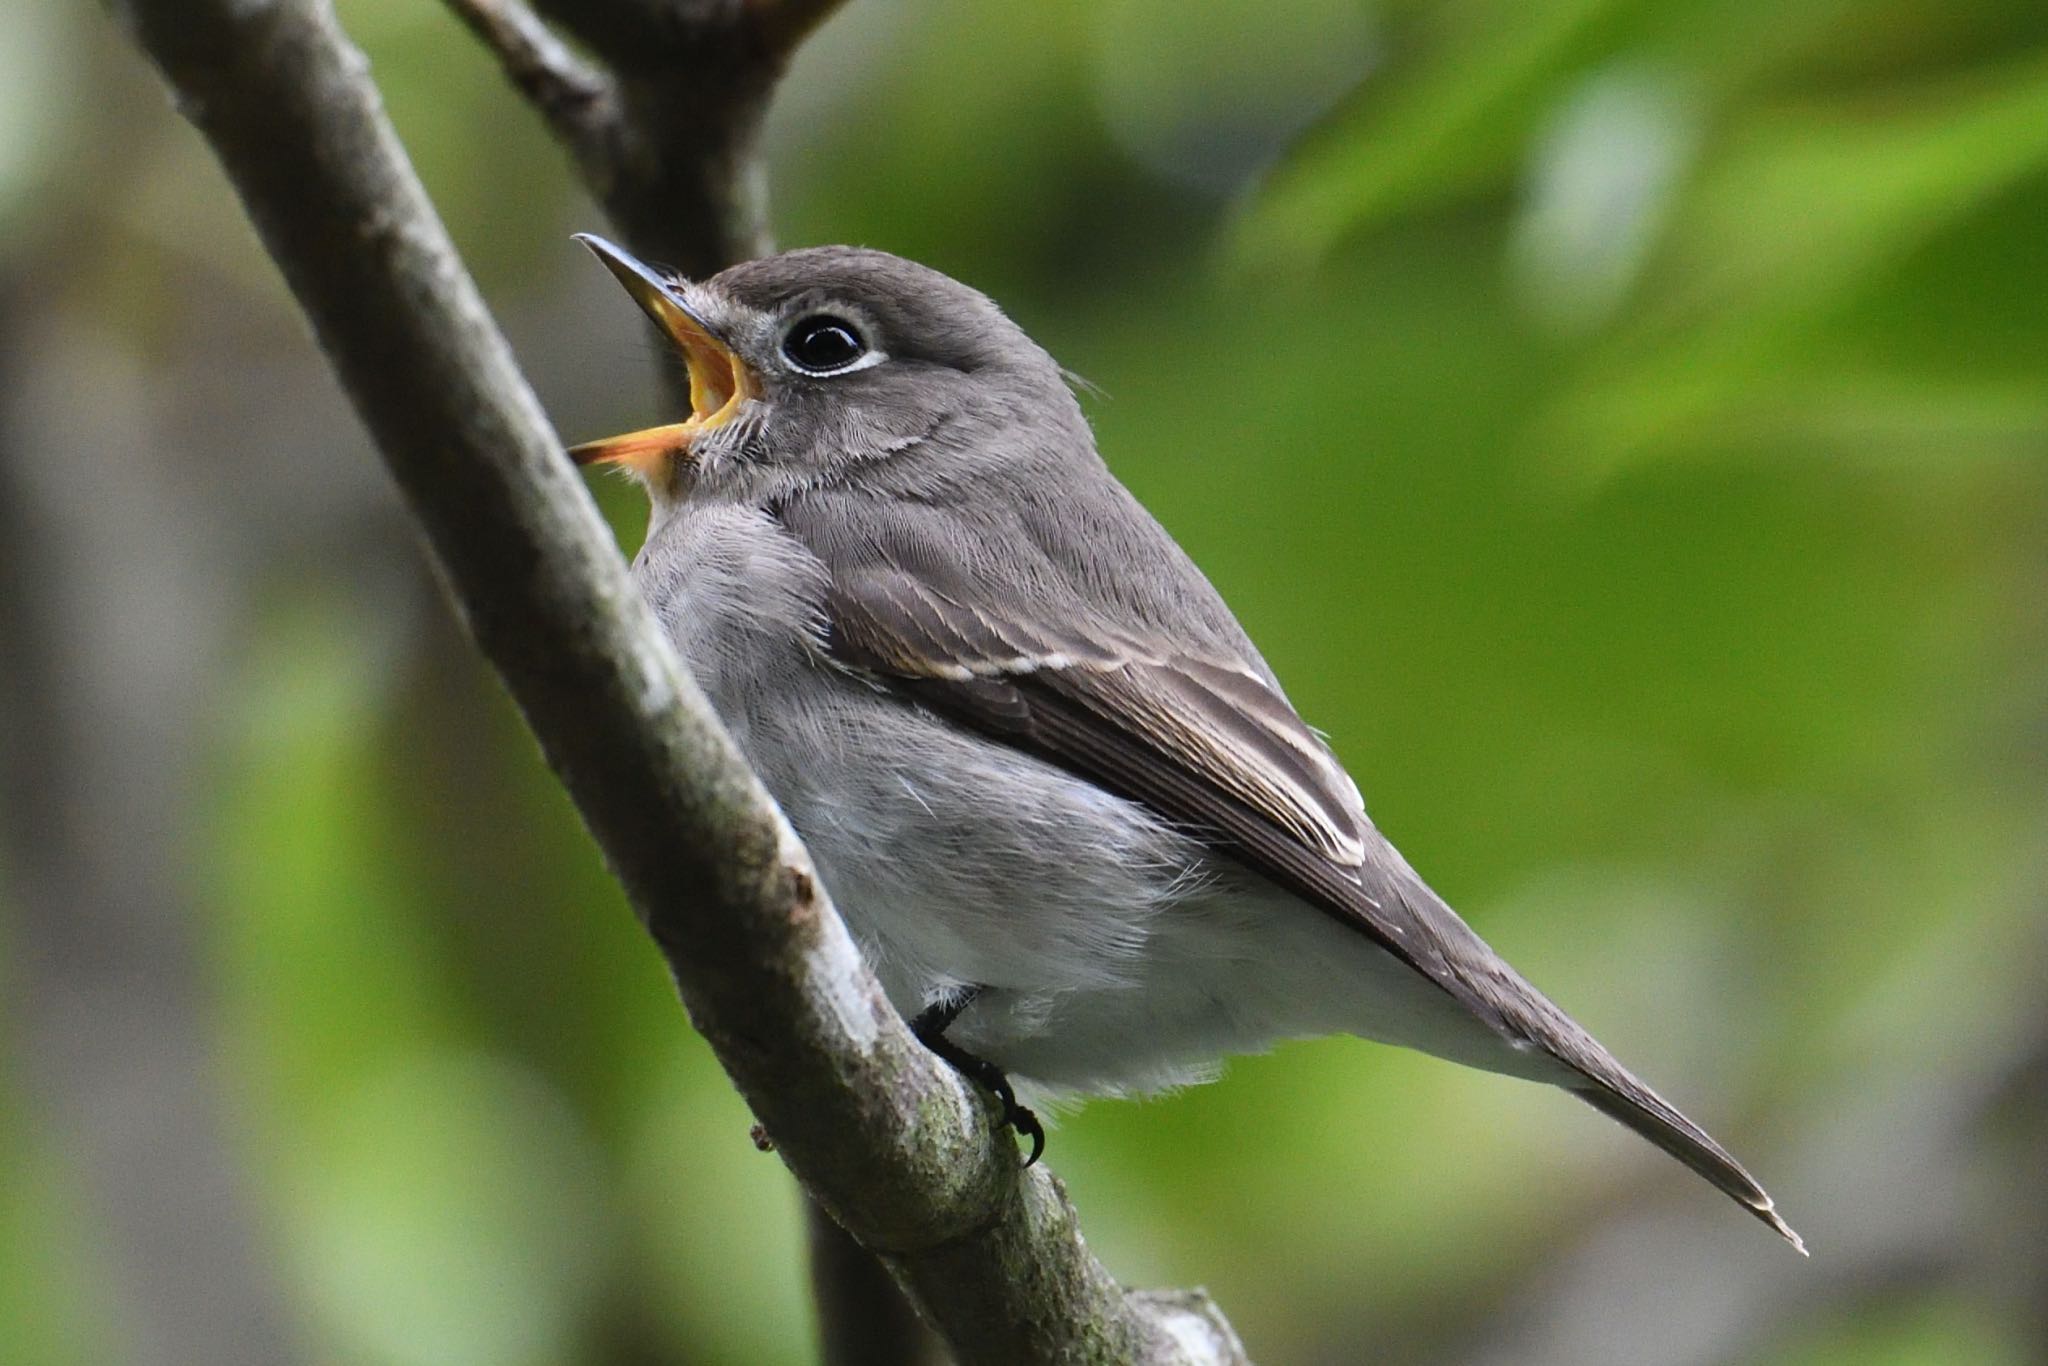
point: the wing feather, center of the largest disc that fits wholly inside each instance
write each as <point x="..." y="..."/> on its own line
<point x="1205" y="740"/>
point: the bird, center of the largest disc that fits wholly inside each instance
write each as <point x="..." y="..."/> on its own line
<point x="1059" y="798"/>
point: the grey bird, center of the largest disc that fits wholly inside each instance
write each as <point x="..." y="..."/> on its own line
<point x="1061" y="802"/>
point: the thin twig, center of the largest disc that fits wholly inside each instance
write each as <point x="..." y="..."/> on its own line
<point x="784" y="24"/>
<point x="888" y="1139"/>
<point x="668" y="143"/>
<point x="579" y="101"/>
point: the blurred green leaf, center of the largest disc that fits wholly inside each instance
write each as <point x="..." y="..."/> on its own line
<point x="1795" y="217"/>
<point x="452" y="1214"/>
<point x="1452" y="115"/>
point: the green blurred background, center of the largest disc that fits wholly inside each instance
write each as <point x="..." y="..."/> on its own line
<point x="1620" y="422"/>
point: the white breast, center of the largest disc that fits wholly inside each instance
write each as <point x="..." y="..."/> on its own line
<point x="742" y="601"/>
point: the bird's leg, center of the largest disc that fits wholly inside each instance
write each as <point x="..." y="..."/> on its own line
<point x="930" y="1027"/>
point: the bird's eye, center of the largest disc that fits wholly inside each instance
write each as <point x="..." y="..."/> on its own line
<point x="823" y="344"/>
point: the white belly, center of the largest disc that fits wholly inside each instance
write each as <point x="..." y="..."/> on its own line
<point x="1115" y="954"/>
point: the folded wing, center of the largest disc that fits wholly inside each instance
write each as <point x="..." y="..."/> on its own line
<point x="1203" y="740"/>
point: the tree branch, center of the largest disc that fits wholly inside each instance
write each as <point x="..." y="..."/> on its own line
<point x="888" y="1139"/>
<point x="863" y="1319"/>
<point x="657" y="157"/>
<point x="579" y="102"/>
<point x="666" y="140"/>
<point x="110" y="627"/>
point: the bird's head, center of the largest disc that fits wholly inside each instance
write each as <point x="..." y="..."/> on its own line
<point x="809" y="365"/>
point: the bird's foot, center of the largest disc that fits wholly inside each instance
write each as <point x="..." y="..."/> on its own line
<point x="930" y="1028"/>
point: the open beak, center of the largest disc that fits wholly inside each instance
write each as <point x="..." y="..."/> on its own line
<point x="719" y="380"/>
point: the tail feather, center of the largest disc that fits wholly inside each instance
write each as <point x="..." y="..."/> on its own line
<point x="1644" y="1111"/>
<point x="1447" y="952"/>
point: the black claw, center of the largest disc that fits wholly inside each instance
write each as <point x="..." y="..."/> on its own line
<point x="1018" y="1117"/>
<point x="930" y="1028"/>
<point x="1026" y="1124"/>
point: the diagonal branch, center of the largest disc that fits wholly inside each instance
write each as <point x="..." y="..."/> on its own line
<point x="665" y="139"/>
<point x="862" y="1317"/>
<point x="579" y="102"/>
<point x="884" y="1136"/>
<point x="682" y="185"/>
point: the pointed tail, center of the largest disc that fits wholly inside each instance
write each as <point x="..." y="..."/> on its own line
<point x="1644" y="1111"/>
<point x="1444" y="949"/>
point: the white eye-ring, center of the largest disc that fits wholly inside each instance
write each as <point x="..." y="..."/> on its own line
<point x="827" y="344"/>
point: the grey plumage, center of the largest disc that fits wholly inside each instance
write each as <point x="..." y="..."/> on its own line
<point x="1029" y="746"/>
